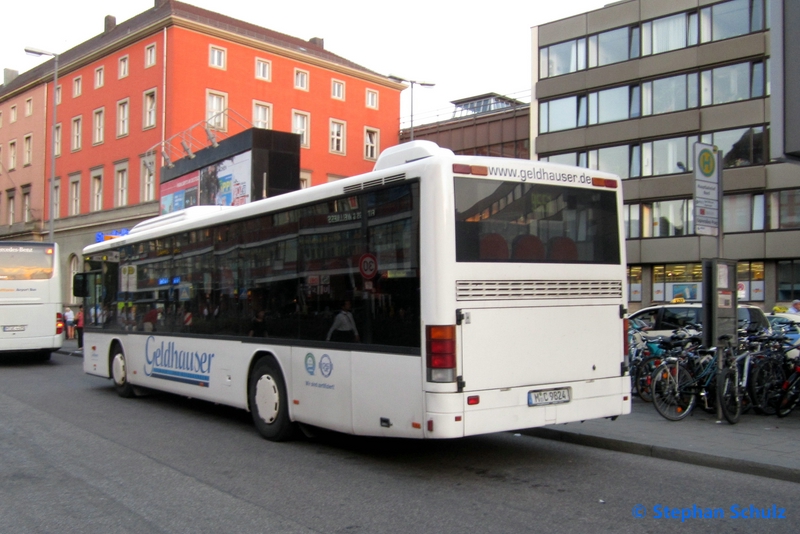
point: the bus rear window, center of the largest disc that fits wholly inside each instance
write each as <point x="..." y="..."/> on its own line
<point x="535" y="223"/>
<point x="26" y="262"/>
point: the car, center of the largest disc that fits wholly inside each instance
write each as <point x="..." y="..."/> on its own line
<point x="663" y="319"/>
<point x="789" y="324"/>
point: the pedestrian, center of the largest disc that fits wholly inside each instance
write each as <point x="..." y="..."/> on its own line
<point x="69" y="317"/>
<point x="258" y="328"/>
<point x="79" y="326"/>
<point x="344" y="326"/>
<point x="794" y="308"/>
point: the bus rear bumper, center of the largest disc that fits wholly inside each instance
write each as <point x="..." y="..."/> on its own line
<point x="451" y="415"/>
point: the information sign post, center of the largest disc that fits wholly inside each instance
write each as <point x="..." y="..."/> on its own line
<point x="720" y="305"/>
<point x="708" y="192"/>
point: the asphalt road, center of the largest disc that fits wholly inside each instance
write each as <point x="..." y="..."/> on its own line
<point x="74" y="457"/>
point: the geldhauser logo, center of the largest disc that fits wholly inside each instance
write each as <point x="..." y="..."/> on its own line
<point x="166" y="361"/>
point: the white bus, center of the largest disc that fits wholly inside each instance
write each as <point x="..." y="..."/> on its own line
<point x="488" y="295"/>
<point x="30" y="299"/>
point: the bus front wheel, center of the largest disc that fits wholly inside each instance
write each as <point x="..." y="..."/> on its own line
<point x="119" y="373"/>
<point x="269" y="402"/>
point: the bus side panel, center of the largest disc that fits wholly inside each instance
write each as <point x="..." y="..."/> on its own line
<point x="320" y="392"/>
<point x="96" y="348"/>
<point x="387" y="395"/>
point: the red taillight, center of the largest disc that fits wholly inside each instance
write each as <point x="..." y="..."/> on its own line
<point x="59" y="324"/>
<point x="473" y="400"/>
<point x="440" y="342"/>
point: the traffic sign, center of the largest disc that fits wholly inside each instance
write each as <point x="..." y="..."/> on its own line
<point x="368" y="266"/>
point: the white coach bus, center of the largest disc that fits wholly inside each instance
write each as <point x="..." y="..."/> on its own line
<point x="30" y="299"/>
<point x="479" y="295"/>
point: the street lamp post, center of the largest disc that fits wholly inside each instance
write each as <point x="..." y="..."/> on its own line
<point x="412" y="82"/>
<point x="51" y="208"/>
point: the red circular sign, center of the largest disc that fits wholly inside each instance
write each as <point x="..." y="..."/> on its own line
<point x="368" y="266"/>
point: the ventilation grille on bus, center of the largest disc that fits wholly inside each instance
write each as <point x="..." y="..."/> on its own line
<point x="537" y="289"/>
<point x="377" y="182"/>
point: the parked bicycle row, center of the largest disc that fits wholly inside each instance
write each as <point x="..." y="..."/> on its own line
<point x="759" y="371"/>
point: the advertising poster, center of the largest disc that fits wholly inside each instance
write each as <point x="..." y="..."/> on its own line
<point x="227" y="183"/>
<point x="180" y="193"/>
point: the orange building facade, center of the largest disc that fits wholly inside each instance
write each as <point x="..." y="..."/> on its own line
<point x="153" y="89"/>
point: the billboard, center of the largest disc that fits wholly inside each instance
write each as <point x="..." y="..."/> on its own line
<point x="225" y="183"/>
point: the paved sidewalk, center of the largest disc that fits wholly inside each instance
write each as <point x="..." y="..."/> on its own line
<point x="759" y="444"/>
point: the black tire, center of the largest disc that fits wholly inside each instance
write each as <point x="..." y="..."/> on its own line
<point x="119" y="373"/>
<point x="789" y="397"/>
<point x="268" y="402"/>
<point x="729" y="395"/>
<point x="44" y="356"/>
<point x="673" y="397"/>
<point x="644" y="375"/>
<point x="765" y="386"/>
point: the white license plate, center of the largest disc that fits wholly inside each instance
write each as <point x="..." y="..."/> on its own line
<point x="548" y="396"/>
<point x="15" y="328"/>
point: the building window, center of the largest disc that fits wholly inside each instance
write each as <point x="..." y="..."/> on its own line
<point x="12" y="155"/>
<point x="122" y="69"/>
<point x="731" y="19"/>
<point x="58" y="95"/>
<point x="372" y="99"/>
<point x="632" y="221"/>
<point x="788" y="280"/>
<point x="263" y="69"/>
<point x="27" y="150"/>
<point x="681" y="280"/>
<point x="98" y="127"/>
<point x="668" y="218"/>
<point x="75" y="195"/>
<point x="1" y="119"/>
<point x="337" y="89"/>
<point x="262" y="115"/>
<point x="562" y="58"/>
<point x="99" y="75"/>
<point x="750" y="280"/>
<point x="97" y="192"/>
<point x="29" y="107"/>
<point x="337" y="137"/>
<point x="301" y="123"/>
<point x="371" y="143"/>
<point x="76" y="134"/>
<point x="121" y="185"/>
<point x="57" y="134"/>
<point x="57" y="199"/>
<point x="11" y="207"/>
<point x="301" y="79"/>
<point x="635" y="283"/>
<point x="783" y="209"/>
<point x="216" y="57"/>
<point x="150" y="55"/>
<point x="27" y="216"/>
<point x="149" y="119"/>
<point x="216" y="104"/>
<point x="77" y="87"/>
<point x="148" y="179"/>
<point x="305" y="179"/>
<point x="743" y="213"/>
<point x="123" y="118"/>
<point x="13" y="114"/>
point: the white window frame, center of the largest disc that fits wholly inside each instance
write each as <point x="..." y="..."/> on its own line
<point x="12" y="155"/>
<point x="75" y="194"/>
<point x="57" y="134"/>
<point x="267" y="66"/>
<point x="148" y="179"/>
<point x="123" y="117"/>
<point x="76" y="133"/>
<point x="11" y="207"/>
<point x="217" y="57"/>
<point x="372" y="101"/>
<point x="337" y="137"/>
<point x="13" y="115"/>
<point x="27" y="150"/>
<point x="77" y="86"/>
<point x="305" y="131"/>
<point x="121" y="184"/>
<point x="372" y="150"/>
<point x="123" y="67"/>
<point x="58" y="95"/>
<point x="29" y="107"/>
<point x="337" y="89"/>
<point x="149" y="109"/>
<point x="96" y="200"/>
<point x="56" y="199"/>
<point x="99" y="77"/>
<point x="216" y="104"/>
<point x="305" y="179"/>
<point x="150" y="58"/>
<point x="98" y="126"/>
<point x="301" y="79"/>
<point x="26" y="204"/>
<point x="257" y="122"/>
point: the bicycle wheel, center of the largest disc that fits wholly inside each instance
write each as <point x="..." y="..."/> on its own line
<point x="644" y="377"/>
<point x="789" y="397"/>
<point x="672" y="391"/>
<point x="765" y="386"/>
<point x="729" y="395"/>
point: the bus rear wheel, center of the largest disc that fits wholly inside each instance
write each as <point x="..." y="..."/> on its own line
<point x="268" y="401"/>
<point x="119" y="373"/>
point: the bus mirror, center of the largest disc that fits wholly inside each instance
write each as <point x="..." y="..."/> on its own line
<point x="79" y="287"/>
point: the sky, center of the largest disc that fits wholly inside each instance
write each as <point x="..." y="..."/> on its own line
<point x="464" y="49"/>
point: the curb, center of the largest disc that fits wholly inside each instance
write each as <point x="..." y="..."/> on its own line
<point x="747" y="467"/>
